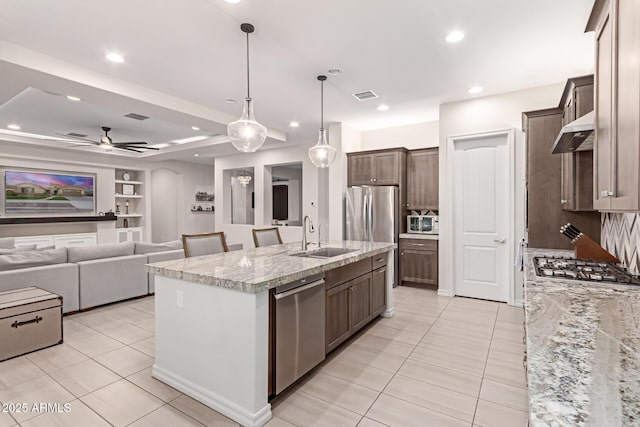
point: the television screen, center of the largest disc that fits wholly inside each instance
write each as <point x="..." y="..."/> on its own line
<point x="28" y="192"/>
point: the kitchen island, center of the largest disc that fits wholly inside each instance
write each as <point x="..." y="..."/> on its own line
<point x="212" y="320"/>
<point x="583" y="350"/>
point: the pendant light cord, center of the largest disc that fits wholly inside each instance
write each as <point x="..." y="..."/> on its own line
<point x="321" y="104"/>
<point x="248" y="87"/>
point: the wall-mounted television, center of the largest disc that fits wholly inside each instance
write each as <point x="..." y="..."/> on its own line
<point x="29" y="192"/>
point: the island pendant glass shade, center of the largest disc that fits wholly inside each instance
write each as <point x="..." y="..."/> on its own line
<point x="322" y="154"/>
<point x="246" y="134"/>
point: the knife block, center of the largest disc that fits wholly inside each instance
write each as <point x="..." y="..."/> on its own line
<point x="588" y="249"/>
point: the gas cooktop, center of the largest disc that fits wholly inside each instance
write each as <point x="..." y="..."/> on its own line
<point x="583" y="269"/>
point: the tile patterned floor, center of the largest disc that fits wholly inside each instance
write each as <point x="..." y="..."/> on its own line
<point x="438" y="362"/>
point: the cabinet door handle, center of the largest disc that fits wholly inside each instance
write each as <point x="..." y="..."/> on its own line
<point x="418" y="244"/>
<point x="381" y="271"/>
<point x="500" y="240"/>
<point x="563" y="201"/>
<point x="380" y="260"/>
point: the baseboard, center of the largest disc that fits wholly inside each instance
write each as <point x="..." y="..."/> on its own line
<point x="518" y="303"/>
<point x="387" y="313"/>
<point x="212" y="400"/>
<point x="445" y="292"/>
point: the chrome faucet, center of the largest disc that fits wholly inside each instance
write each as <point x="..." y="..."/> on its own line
<point x="305" y="244"/>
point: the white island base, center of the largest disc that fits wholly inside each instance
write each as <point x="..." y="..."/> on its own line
<point x="212" y="344"/>
<point x="214" y="347"/>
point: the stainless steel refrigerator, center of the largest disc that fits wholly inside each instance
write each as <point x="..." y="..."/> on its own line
<point x="373" y="215"/>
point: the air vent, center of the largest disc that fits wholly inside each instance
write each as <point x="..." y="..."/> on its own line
<point x="135" y="116"/>
<point x="363" y="96"/>
<point x="77" y="135"/>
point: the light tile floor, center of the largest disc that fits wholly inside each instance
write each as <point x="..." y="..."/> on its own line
<point x="438" y="362"/>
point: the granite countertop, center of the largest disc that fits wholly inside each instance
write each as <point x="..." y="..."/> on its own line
<point x="433" y="236"/>
<point x="257" y="269"/>
<point x="583" y="350"/>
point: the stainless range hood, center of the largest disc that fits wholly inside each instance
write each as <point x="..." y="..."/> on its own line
<point x="576" y="136"/>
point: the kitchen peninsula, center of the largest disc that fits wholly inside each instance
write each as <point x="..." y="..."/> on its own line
<point x="213" y="318"/>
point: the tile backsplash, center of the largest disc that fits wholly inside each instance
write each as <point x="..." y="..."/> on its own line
<point x="621" y="236"/>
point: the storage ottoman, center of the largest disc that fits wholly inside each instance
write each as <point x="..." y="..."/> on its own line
<point x="30" y="320"/>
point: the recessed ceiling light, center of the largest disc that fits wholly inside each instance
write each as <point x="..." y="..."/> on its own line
<point x="232" y="1"/>
<point x="334" y="71"/>
<point x="195" y="128"/>
<point x="230" y="101"/>
<point x="13" y="126"/>
<point x="196" y="155"/>
<point x="454" y="37"/>
<point x="475" y="89"/>
<point x="114" y="57"/>
<point x="294" y="124"/>
<point x="73" y="98"/>
<point x="383" y="107"/>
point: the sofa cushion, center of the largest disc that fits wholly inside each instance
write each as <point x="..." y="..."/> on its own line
<point x="7" y="243"/>
<point x="27" y="259"/>
<point x="20" y="249"/>
<point x="148" y="248"/>
<point x="106" y="250"/>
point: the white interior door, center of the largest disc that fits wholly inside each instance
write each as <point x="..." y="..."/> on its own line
<point x="482" y="218"/>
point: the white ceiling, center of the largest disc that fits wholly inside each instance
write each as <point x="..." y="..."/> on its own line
<point x="193" y="50"/>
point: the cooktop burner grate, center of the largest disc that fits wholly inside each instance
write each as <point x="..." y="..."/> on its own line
<point x="583" y="269"/>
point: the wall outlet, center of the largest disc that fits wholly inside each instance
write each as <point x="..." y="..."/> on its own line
<point x="180" y="299"/>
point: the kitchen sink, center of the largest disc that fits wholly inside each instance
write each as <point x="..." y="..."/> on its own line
<point x="325" y="253"/>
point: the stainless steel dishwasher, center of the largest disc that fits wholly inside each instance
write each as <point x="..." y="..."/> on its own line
<point x="299" y="329"/>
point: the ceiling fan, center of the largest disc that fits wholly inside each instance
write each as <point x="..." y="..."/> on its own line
<point x="107" y="143"/>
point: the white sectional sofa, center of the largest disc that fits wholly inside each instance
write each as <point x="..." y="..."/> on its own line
<point x="87" y="276"/>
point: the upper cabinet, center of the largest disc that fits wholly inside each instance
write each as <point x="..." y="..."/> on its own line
<point x="617" y="100"/>
<point x="576" y="177"/>
<point x="422" y="179"/>
<point x="383" y="167"/>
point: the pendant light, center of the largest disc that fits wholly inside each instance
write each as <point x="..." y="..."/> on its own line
<point x="246" y="134"/>
<point x="322" y="154"/>
<point x="244" y="180"/>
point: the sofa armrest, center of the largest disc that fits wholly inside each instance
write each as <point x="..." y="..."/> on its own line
<point x="159" y="257"/>
<point x="112" y="279"/>
<point x="235" y="246"/>
<point x="60" y="279"/>
<point x="165" y="255"/>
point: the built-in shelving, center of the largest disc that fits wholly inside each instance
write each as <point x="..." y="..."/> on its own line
<point x="131" y="217"/>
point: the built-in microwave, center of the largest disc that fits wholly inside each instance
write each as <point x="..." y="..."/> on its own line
<point x="423" y="224"/>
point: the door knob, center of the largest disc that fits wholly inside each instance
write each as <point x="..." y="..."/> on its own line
<point x="499" y="240"/>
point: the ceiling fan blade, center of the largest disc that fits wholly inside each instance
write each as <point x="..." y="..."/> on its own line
<point x="146" y="148"/>
<point x="78" y="138"/>
<point x="129" y="143"/>
<point x="125" y="148"/>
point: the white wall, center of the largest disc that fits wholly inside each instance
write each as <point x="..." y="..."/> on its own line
<point x="497" y="112"/>
<point x="259" y="162"/>
<point x="188" y="176"/>
<point x="415" y="136"/>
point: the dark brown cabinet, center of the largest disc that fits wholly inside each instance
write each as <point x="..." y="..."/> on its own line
<point x="360" y="302"/>
<point x="354" y="296"/>
<point x="338" y="325"/>
<point x="382" y="167"/>
<point x="617" y="104"/>
<point x="423" y="179"/>
<point x="545" y="215"/>
<point x="419" y="261"/>
<point x="378" y="291"/>
<point x="576" y="169"/>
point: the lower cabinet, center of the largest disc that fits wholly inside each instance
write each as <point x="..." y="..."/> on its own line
<point x="360" y="302"/>
<point x="419" y="261"/>
<point x="352" y="302"/>
<point x="130" y="234"/>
